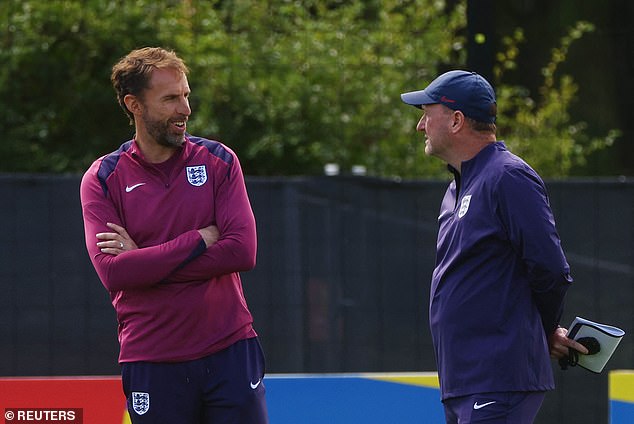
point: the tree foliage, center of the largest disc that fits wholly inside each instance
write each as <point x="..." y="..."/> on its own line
<point x="541" y="130"/>
<point x="289" y="84"/>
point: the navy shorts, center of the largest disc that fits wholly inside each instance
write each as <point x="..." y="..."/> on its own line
<point x="222" y="388"/>
<point x="494" y="408"/>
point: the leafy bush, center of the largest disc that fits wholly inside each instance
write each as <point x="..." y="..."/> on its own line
<point x="290" y="85"/>
<point x="542" y="131"/>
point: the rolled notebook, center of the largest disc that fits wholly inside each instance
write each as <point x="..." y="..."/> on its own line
<point x="601" y="341"/>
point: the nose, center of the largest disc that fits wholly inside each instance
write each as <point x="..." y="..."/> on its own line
<point x="421" y="124"/>
<point x="184" y="108"/>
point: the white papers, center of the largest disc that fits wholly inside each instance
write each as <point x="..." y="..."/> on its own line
<point x="608" y="337"/>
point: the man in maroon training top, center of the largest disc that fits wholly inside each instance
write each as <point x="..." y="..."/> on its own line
<point x="168" y="227"/>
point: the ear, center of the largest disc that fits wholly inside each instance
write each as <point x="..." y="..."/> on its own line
<point x="458" y="121"/>
<point x="133" y="104"/>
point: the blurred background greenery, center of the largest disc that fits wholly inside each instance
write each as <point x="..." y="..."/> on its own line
<point x="294" y="85"/>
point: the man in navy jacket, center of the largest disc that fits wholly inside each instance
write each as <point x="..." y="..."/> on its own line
<point x="500" y="278"/>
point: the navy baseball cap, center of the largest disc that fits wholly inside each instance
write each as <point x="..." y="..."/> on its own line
<point x="465" y="91"/>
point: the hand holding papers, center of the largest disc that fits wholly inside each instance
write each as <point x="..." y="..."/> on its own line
<point x="601" y="341"/>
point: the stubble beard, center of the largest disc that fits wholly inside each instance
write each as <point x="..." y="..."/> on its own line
<point x="429" y="151"/>
<point x="159" y="131"/>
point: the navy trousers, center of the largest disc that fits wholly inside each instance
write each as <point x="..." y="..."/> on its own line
<point x="223" y="388"/>
<point x="494" y="408"/>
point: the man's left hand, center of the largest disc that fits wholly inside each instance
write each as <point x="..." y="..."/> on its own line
<point x="117" y="242"/>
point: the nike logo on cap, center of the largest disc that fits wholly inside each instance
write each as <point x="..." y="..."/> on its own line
<point x="477" y="406"/>
<point x="255" y="385"/>
<point x="128" y="189"/>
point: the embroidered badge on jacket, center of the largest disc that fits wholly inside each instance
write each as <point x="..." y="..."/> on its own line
<point x="464" y="206"/>
<point x="140" y="402"/>
<point x="197" y="175"/>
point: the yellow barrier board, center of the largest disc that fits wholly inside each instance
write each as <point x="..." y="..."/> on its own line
<point x="621" y="394"/>
<point x="621" y="385"/>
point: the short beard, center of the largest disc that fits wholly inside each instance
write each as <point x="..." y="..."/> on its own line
<point x="159" y="131"/>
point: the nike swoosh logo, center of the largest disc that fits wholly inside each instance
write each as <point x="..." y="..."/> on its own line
<point x="476" y="406"/>
<point x="255" y="385"/>
<point x="128" y="189"/>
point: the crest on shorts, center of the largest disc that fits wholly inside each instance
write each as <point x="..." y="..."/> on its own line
<point x="464" y="206"/>
<point x="140" y="402"/>
<point x="197" y="175"/>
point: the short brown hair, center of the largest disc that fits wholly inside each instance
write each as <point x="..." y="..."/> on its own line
<point x="131" y="75"/>
<point x="481" y="126"/>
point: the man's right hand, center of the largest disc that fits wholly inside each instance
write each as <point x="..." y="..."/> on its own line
<point x="209" y="234"/>
<point x="559" y="344"/>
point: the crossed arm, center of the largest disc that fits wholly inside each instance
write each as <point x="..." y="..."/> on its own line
<point x="227" y="246"/>
<point x="118" y="241"/>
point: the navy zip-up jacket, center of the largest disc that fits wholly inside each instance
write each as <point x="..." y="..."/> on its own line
<point x="500" y="278"/>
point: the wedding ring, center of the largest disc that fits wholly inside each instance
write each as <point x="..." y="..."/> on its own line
<point x="120" y="245"/>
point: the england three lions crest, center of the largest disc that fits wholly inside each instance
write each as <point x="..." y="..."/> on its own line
<point x="464" y="206"/>
<point x="197" y="175"/>
<point x="140" y="402"/>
